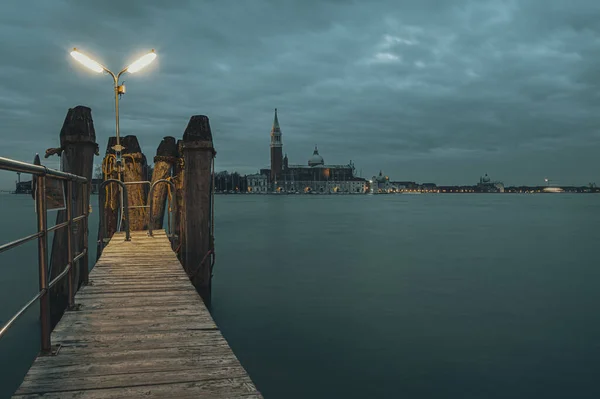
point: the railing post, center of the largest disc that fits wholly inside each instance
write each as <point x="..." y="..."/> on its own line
<point x="85" y="272"/>
<point x="125" y="208"/>
<point x="43" y="263"/>
<point x="69" y="210"/>
<point x="151" y="203"/>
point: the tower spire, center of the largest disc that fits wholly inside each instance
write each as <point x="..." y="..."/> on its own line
<point x="276" y="122"/>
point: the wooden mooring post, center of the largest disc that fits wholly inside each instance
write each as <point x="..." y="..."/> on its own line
<point x="178" y="179"/>
<point x="166" y="157"/>
<point x="77" y="149"/>
<point x="198" y="153"/>
<point x="133" y="171"/>
<point x="110" y="222"/>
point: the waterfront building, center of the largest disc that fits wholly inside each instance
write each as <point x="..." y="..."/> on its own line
<point x="23" y="187"/>
<point x="381" y="184"/>
<point x="405" y="185"/>
<point x="485" y="185"/>
<point x="313" y="177"/>
<point x="257" y="184"/>
<point x="429" y="187"/>
<point x="455" y="189"/>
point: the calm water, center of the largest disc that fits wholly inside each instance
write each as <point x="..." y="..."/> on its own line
<point x="430" y="296"/>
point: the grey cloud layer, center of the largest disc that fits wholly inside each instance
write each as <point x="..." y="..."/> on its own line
<point x="423" y="91"/>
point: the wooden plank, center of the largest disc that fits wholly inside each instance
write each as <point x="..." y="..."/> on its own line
<point x="128" y="341"/>
<point x="34" y="384"/>
<point x="117" y="311"/>
<point x="141" y="331"/>
<point x="95" y="368"/>
<point x="156" y="290"/>
<point x="123" y="326"/>
<point x="127" y="299"/>
<point x="91" y="302"/>
<point x="154" y="279"/>
<point x="240" y="387"/>
<point x="70" y="356"/>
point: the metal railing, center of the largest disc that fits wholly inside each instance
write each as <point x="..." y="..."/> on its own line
<point x="125" y="207"/>
<point x="39" y="175"/>
<point x="170" y="218"/>
<point x="128" y="183"/>
<point x="125" y="210"/>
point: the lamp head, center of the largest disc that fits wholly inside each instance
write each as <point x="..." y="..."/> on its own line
<point x="86" y="61"/>
<point x="141" y="63"/>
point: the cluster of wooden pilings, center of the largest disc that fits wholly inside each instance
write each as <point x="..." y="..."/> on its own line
<point x="187" y="162"/>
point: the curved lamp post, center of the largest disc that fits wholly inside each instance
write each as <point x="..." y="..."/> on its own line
<point x="119" y="89"/>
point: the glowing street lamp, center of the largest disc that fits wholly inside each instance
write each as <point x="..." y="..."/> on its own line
<point x="119" y="89"/>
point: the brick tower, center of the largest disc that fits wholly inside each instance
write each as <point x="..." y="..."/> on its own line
<point x="276" y="150"/>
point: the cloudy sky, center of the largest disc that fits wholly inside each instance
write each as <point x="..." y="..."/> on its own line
<point x="439" y="91"/>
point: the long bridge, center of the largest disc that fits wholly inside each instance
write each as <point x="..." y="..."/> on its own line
<point x="135" y="326"/>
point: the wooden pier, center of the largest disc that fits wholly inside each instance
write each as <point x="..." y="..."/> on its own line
<point x="139" y="330"/>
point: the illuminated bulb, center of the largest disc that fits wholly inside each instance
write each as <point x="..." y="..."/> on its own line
<point x="86" y="61"/>
<point x="142" y="62"/>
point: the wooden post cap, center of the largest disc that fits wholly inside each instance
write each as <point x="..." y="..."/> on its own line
<point x="131" y="145"/>
<point x="198" y="129"/>
<point x="167" y="147"/>
<point x="78" y="126"/>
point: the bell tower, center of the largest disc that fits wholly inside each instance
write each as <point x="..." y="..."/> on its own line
<point x="276" y="150"/>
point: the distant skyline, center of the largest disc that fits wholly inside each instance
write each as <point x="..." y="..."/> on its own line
<point x="424" y="90"/>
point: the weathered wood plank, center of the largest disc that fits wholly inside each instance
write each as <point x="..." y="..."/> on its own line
<point x="144" y="299"/>
<point x="124" y="341"/>
<point x="155" y="366"/>
<point x="142" y="331"/>
<point x="156" y="289"/>
<point x="124" y="326"/>
<point x="240" y="387"/>
<point x="72" y="355"/>
<point x="83" y="381"/>
<point x="139" y="297"/>
<point x="166" y="309"/>
<point x="114" y="281"/>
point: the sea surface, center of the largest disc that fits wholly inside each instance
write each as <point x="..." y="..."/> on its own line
<point x="395" y="296"/>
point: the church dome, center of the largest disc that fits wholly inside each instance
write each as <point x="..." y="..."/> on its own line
<point x="316" y="159"/>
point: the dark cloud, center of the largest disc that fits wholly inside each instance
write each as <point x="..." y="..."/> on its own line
<point x="425" y="90"/>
